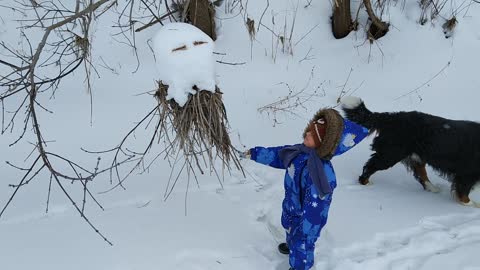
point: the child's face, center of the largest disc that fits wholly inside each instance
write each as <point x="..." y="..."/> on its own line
<point x="308" y="140"/>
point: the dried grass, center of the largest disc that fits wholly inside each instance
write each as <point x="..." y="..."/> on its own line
<point x="199" y="129"/>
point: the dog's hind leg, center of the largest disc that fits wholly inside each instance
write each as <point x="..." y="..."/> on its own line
<point x="417" y="166"/>
<point x="461" y="189"/>
<point x="379" y="162"/>
<point x="420" y="173"/>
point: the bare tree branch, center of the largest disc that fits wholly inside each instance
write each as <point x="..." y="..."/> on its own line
<point x="36" y="69"/>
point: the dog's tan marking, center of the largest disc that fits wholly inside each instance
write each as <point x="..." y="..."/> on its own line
<point x="421" y="173"/>
<point x="464" y="199"/>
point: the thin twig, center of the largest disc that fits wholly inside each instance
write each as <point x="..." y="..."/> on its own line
<point x="425" y="83"/>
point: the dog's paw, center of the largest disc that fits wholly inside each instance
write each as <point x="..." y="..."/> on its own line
<point x="470" y="203"/>
<point x="463" y="202"/>
<point x="431" y="187"/>
<point x="364" y="181"/>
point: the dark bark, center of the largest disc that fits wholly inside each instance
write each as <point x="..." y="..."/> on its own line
<point x="341" y="18"/>
<point x="378" y="28"/>
<point x="201" y="13"/>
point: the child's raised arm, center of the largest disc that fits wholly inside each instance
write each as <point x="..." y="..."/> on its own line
<point x="267" y="156"/>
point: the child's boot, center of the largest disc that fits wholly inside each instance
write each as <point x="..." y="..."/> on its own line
<point x="283" y="248"/>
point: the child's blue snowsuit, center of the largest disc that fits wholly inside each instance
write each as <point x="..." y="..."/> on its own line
<point x="304" y="212"/>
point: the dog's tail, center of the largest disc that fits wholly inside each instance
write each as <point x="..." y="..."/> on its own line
<point x="356" y="111"/>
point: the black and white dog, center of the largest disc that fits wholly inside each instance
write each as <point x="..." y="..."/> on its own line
<point x="450" y="147"/>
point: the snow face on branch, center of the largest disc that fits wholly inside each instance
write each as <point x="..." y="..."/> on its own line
<point x="184" y="56"/>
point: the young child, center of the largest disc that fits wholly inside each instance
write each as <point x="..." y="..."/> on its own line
<point x="309" y="180"/>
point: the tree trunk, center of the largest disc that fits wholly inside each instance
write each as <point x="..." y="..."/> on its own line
<point x="201" y="13"/>
<point x="341" y="19"/>
<point x="378" y="28"/>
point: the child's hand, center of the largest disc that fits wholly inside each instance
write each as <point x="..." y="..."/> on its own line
<point x="244" y="155"/>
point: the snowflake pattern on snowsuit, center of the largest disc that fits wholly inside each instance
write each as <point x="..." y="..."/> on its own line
<point x="304" y="213"/>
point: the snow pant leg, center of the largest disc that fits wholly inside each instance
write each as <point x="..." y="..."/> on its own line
<point x="302" y="248"/>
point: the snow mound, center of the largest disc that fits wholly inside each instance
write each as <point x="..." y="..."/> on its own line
<point x="184" y="58"/>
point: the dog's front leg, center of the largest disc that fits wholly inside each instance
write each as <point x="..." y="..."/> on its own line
<point x="379" y="162"/>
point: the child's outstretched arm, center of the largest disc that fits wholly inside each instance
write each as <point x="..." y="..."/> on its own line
<point x="267" y="156"/>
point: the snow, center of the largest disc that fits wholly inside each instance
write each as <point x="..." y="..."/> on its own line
<point x="431" y="243"/>
<point x="391" y="224"/>
<point x="184" y="58"/>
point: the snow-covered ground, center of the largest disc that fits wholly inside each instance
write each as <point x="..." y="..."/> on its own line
<point x="392" y="224"/>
